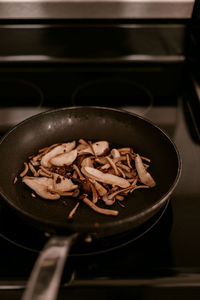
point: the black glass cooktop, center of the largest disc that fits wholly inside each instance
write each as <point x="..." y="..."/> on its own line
<point x="160" y="260"/>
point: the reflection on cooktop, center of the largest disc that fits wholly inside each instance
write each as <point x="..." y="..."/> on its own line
<point x="31" y="239"/>
<point x="165" y="256"/>
<point x="131" y="254"/>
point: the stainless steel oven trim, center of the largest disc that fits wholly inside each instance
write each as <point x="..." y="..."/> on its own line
<point x="121" y="59"/>
<point x="95" y="9"/>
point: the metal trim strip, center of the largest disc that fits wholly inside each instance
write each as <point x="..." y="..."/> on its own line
<point x="95" y="9"/>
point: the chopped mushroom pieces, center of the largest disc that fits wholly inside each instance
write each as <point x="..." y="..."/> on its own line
<point x="94" y="173"/>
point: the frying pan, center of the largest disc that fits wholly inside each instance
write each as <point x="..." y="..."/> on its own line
<point x="118" y="127"/>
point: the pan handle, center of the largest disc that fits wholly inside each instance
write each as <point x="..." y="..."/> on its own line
<point x="47" y="272"/>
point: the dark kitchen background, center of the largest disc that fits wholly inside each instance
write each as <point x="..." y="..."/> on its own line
<point x="140" y="56"/>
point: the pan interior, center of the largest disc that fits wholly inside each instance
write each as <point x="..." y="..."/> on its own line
<point x="90" y="123"/>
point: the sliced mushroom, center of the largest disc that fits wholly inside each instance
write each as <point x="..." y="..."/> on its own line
<point x="24" y="172"/>
<point x="83" y="142"/>
<point x="41" y="152"/>
<point x="128" y="161"/>
<point x="100" y="189"/>
<point x="105" y="177"/>
<point x="45" y="170"/>
<point x="111" y="162"/>
<point x="105" y="167"/>
<point x="101" y="160"/>
<point x="42" y="186"/>
<point x="65" y="147"/>
<point x="125" y="150"/>
<point x="115" y="153"/>
<point x="123" y="167"/>
<point x="87" y="162"/>
<point x="100" y="210"/>
<point x="80" y="147"/>
<point x="121" y="172"/>
<point x="144" y="176"/>
<point x="73" y="211"/>
<point x="76" y="168"/>
<point x="107" y="200"/>
<point x="94" y="193"/>
<point x="120" y="198"/>
<point x="88" y="169"/>
<point x="33" y="170"/>
<point x="62" y="184"/>
<point x="64" y="159"/>
<point x="112" y="196"/>
<point x="99" y="148"/>
<point x="44" y="150"/>
<point x="145" y="158"/>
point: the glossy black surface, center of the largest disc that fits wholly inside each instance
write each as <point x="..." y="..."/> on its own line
<point x="163" y="263"/>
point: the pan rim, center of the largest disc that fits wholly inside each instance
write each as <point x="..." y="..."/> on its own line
<point x="147" y="212"/>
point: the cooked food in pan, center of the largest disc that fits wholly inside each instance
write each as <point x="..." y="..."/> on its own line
<point x="87" y="171"/>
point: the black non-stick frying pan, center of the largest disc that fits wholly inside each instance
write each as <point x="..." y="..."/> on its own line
<point x="120" y="128"/>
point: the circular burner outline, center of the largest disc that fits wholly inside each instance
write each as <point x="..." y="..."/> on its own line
<point x="30" y="84"/>
<point x="150" y="225"/>
<point x="134" y="84"/>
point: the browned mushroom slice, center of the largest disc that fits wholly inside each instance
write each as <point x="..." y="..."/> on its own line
<point x="128" y="161"/>
<point x="73" y="211"/>
<point x="33" y="170"/>
<point x="121" y="172"/>
<point x="100" y="189"/>
<point x="107" y="200"/>
<point x="94" y="193"/>
<point x="42" y="186"/>
<point x="46" y="171"/>
<point x="87" y="162"/>
<point x="125" y="150"/>
<point x="63" y="148"/>
<point x="100" y="210"/>
<point x="76" y="168"/>
<point x="140" y="187"/>
<point x="80" y="147"/>
<point x="105" y="177"/>
<point x="115" y="153"/>
<point x="83" y="142"/>
<point x="144" y="176"/>
<point x="120" y="198"/>
<point x="99" y="148"/>
<point x="62" y="184"/>
<point x="105" y="167"/>
<point x="44" y="150"/>
<point x="92" y="149"/>
<point x="41" y="152"/>
<point x="123" y="167"/>
<point x="112" y="196"/>
<point x="24" y="172"/>
<point x="111" y="162"/>
<point x="64" y="159"/>
<point x="101" y="160"/>
<point x="36" y="159"/>
<point x="145" y="158"/>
